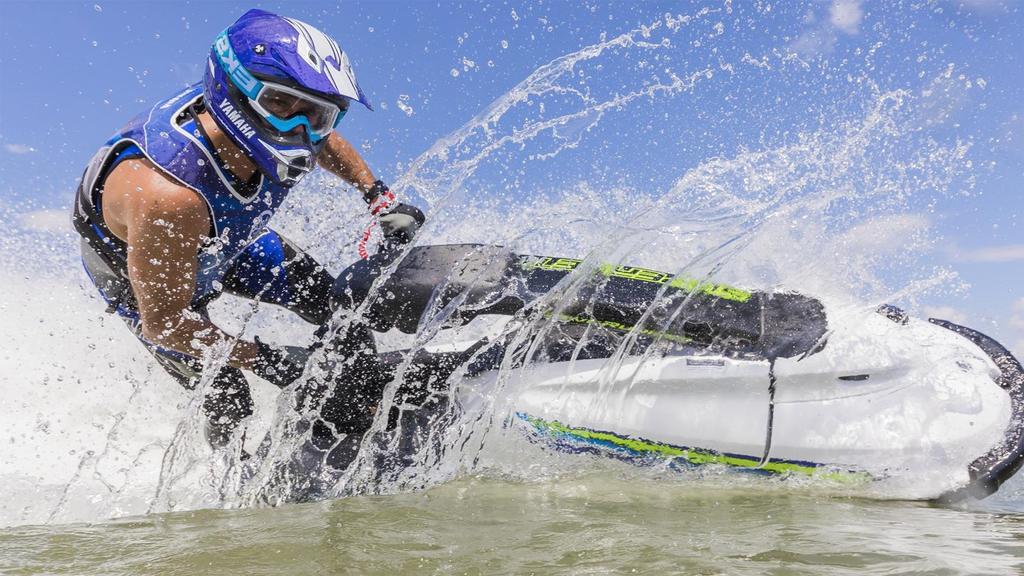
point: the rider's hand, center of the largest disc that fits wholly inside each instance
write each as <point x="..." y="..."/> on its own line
<point x="399" y="222"/>
<point x="279" y="366"/>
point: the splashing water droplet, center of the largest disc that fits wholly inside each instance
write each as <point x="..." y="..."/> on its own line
<point x="403" y="104"/>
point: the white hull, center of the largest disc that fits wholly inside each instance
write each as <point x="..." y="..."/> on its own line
<point x="880" y="400"/>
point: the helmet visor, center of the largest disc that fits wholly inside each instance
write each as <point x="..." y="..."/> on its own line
<point x="286" y="109"/>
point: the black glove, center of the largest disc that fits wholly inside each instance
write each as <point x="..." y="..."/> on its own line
<point x="399" y="222"/>
<point x="279" y="366"/>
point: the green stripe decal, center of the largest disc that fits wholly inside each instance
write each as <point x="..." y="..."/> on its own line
<point x="695" y="456"/>
<point x="641" y="275"/>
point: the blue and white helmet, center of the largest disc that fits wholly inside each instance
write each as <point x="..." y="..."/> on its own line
<point x="278" y="87"/>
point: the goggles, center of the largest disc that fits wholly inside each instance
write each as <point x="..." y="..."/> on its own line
<point x="281" y="106"/>
<point x="286" y="109"/>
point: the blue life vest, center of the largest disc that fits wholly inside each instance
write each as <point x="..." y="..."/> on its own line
<point x="170" y="137"/>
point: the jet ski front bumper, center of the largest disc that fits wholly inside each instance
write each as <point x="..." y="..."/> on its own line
<point x="990" y="471"/>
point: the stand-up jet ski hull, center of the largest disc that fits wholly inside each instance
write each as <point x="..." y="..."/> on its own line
<point x="857" y="411"/>
<point x="639" y="364"/>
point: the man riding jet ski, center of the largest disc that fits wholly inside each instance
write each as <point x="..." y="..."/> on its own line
<point x="173" y="209"/>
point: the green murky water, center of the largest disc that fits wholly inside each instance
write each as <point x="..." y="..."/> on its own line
<point x="588" y="525"/>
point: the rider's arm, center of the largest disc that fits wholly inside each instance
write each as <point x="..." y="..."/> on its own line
<point x="398" y="221"/>
<point x="341" y="158"/>
<point x="163" y="223"/>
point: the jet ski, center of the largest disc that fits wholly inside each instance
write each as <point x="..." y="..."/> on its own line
<point x="648" y="367"/>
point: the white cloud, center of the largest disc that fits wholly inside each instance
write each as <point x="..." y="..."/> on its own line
<point x="1017" y="319"/>
<point x="19" y="148"/>
<point x="991" y="254"/>
<point x="1017" y="326"/>
<point x="820" y="35"/>
<point x="46" y="221"/>
<point x="846" y="15"/>
<point x="946" y="313"/>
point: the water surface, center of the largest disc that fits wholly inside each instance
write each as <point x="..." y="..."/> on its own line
<point x="583" y="525"/>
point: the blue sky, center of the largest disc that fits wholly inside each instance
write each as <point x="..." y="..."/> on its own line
<point x="73" y="72"/>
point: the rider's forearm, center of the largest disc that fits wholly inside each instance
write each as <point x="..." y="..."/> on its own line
<point x="342" y="159"/>
<point x="194" y="335"/>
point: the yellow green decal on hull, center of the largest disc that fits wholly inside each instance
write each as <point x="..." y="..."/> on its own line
<point x="695" y="456"/>
<point x="642" y="275"/>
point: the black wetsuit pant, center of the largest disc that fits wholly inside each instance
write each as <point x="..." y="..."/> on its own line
<point x="271" y="269"/>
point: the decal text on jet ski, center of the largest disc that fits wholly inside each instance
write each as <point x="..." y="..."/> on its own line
<point x="642" y="275"/>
